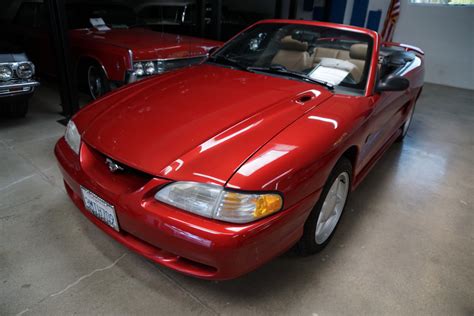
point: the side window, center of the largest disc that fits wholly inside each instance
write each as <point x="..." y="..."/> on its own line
<point x="26" y="15"/>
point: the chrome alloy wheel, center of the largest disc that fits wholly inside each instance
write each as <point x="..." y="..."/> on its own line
<point x="94" y="82"/>
<point x="332" y="208"/>
<point x="408" y="121"/>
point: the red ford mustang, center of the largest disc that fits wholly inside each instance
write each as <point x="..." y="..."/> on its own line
<point x="215" y="169"/>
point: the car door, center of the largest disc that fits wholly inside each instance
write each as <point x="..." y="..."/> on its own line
<point x="386" y="115"/>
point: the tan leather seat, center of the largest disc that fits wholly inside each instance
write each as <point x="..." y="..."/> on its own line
<point x="358" y="54"/>
<point x="323" y="52"/>
<point x="293" y="55"/>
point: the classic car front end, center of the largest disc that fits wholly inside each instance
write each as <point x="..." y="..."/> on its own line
<point x="112" y="58"/>
<point x="108" y="48"/>
<point x="17" y="84"/>
<point x="214" y="170"/>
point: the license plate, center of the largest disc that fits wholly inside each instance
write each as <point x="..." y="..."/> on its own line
<point x="100" y="209"/>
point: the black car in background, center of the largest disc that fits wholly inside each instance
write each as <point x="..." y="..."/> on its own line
<point x="17" y="84"/>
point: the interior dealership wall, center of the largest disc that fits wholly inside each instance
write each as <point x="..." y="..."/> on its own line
<point x="446" y="34"/>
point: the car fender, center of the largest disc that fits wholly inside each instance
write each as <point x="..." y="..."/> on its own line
<point x="298" y="161"/>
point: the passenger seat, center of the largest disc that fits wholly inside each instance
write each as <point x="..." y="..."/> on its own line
<point x="358" y="54"/>
<point x="293" y="54"/>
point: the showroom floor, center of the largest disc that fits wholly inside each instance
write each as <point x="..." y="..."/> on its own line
<point x="404" y="246"/>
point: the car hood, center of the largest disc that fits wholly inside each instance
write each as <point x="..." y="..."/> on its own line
<point x="147" y="44"/>
<point x="11" y="53"/>
<point x="197" y="124"/>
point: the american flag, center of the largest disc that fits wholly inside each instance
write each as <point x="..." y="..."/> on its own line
<point x="391" y="20"/>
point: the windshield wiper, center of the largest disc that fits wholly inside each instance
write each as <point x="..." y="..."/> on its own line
<point x="220" y="59"/>
<point x="280" y="70"/>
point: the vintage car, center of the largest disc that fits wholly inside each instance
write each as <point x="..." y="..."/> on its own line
<point x="215" y="169"/>
<point x="105" y="55"/>
<point x="17" y="84"/>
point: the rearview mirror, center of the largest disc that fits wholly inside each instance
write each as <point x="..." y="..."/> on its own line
<point x="393" y="83"/>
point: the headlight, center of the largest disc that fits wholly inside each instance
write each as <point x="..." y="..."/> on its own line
<point x="160" y="66"/>
<point x="72" y="136"/>
<point x="213" y="201"/>
<point x="5" y="72"/>
<point x="138" y="67"/>
<point x="149" y="68"/>
<point x="25" y="70"/>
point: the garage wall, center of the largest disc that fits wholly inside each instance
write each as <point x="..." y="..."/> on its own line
<point x="446" y="34"/>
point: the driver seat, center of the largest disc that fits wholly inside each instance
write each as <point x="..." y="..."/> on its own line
<point x="293" y="54"/>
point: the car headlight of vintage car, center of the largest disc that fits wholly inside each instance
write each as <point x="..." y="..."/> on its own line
<point x="72" y="137"/>
<point x="138" y="67"/>
<point x="25" y="70"/>
<point x="149" y="68"/>
<point x="160" y="66"/>
<point x="6" y="72"/>
<point x="215" y="202"/>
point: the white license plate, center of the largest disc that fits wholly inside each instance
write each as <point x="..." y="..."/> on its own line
<point x="100" y="209"/>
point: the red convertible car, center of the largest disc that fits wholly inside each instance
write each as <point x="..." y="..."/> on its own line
<point x="215" y="169"/>
<point x="113" y="53"/>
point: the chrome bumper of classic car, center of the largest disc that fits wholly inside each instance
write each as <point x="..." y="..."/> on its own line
<point x="17" y="87"/>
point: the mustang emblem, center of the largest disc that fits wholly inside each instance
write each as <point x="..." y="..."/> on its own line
<point x="113" y="166"/>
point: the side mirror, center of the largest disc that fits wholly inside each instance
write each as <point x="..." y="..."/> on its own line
<point x="393" y="83"/>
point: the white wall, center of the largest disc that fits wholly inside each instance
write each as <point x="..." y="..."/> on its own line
<point x="446" y="34"/>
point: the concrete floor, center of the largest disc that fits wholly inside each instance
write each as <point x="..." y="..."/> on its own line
<point x="404" y="246"/>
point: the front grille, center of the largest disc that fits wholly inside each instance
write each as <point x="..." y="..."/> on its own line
<point x="124" y="178"/>
<point x="124" y="169"/>
<point x="172" y="64"/>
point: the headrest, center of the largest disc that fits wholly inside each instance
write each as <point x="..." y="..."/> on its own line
<point x="358" y="51"/>
<point x="288" y="43"/>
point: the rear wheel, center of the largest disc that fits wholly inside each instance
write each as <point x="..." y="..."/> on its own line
<point x="322" y="222"/>
<point x="15" y="109"/>
<point x="97" y="82"/>
<point x="406" y="125"/>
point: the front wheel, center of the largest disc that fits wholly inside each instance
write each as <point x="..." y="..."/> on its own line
<point x="322" y="222"/>
<point x="97" y="81"/>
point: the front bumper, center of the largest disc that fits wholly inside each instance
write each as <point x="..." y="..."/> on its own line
<point x="177" y="239"/>
<point x="17" y="87"/>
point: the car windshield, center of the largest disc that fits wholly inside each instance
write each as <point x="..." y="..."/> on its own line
<point x="329" y="56"/>
<point x="114" y="16"/>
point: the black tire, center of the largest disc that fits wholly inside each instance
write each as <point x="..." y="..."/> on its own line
<point x="15" y="109"/>
<point x="96" y="81"/>
<point x="406" y="125"/>
<point x="307" y="245"/>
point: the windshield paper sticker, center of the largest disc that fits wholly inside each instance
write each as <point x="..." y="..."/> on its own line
<point x="99" y="24"/>
<point x="331" y="70"/>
